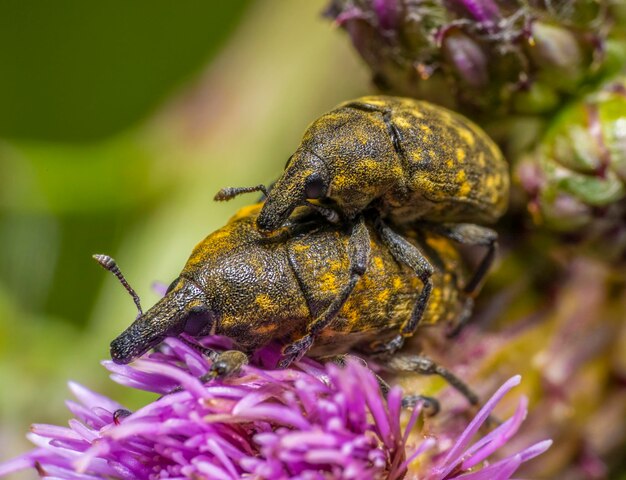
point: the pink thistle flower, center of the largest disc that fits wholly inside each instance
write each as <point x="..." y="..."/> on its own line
<point x="307" y="422"/>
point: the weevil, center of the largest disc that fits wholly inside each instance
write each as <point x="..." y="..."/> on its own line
<point x="240" y="284"/>
<point x="407" y="160"/>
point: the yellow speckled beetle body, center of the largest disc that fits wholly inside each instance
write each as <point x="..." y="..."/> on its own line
<point x="400" y="160"/>
<point x="409" y="159"/>
<point x="238" y="284"/>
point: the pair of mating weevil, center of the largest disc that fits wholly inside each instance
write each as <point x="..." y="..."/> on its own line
<point x="352" y="248"/>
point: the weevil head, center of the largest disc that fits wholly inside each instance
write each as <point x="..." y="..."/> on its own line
<point x="305" y="178"/>
<point x="182" y="309"/>
<point x="346" y="158"/>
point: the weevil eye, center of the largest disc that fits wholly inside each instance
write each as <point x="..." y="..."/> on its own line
<point x="315" y="187"/>
<point x="199" y="320"/>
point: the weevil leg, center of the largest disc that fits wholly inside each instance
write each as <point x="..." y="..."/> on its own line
<point x="359" y="254"/>
<point x="291" y="229"/>
<point x="430" y="405"/>
<point x="466" y="312"/>
<point x="226" y="364"/>
<point x="405" y="252"/>
<point x="330" y="215"/>
<point x="470" y="234"/>
<point x="340" y="361"/>
<point x="301" y="222"/>
<point x="228" y="193"/>
<point x="119" y="414"/>
<point x="207" y="352"/>
<point x="223" y="364"/>
<point x="425" y="366"/>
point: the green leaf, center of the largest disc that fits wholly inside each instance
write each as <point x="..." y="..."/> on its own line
<point x="79" y="70"/>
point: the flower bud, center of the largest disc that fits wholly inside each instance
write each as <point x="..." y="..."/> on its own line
<point x="467" y="58"/>
<point x="556" y="51"/>
<point x="566" y="213"/>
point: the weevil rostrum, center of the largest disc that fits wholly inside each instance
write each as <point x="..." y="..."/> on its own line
<point x="405" y="159"/>
<point x="253" y="289"/>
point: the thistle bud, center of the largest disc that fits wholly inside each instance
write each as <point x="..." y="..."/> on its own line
<point x="556" y="52"/>
<point x="466" y="58"/>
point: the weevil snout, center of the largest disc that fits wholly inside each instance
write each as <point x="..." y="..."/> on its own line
<point x="306" y="178"/>
<point x="132" y="343"/>
<point x="181" y="310"/>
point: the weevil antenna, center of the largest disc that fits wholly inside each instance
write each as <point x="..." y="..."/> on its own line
<point x="109" y="264"/>
<point x="228" y="193"/>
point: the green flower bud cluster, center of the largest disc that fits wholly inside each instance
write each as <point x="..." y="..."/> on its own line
<point x="576" y="177"/>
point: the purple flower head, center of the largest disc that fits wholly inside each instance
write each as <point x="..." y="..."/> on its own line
<point x="307" y="422"/>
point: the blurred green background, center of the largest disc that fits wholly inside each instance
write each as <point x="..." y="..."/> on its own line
<point x="118" y="123"/>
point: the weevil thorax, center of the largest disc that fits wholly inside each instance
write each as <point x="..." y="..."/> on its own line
<point x="247" y="282"/>
<point x="359" y="155"/>
<point x="182" y="309"/>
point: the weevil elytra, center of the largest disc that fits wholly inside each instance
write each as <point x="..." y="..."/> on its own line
<point x="409" y="159"/>
<point x="240" y="284"/>
<point x="405" y="159"/>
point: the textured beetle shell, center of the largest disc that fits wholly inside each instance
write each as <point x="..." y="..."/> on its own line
<point x="263" y="289"/>
<point x="447" y="170"/>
